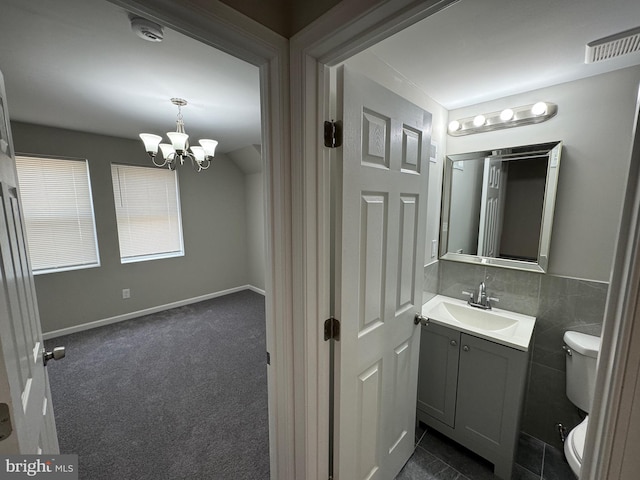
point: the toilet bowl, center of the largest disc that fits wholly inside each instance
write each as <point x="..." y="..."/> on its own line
<point x="574" y="445"/>
<point x="581" y="359"/>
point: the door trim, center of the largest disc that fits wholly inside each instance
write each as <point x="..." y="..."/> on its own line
<point x="224" y="28"/>
<point x="347" y="29"/>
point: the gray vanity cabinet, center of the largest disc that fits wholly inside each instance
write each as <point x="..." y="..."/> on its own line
<point x="476" y="398"/>
<point x="438" y="372"/>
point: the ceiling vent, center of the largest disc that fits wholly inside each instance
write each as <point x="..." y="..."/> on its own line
<point x="147" y="30"/>
<point x="613" y="46"/>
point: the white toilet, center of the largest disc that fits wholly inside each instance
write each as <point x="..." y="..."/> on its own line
<point x="582" y="354"/>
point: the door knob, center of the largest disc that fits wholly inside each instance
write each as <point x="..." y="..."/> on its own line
<point x="56" y="354"/>
<point x="419" y="319"/>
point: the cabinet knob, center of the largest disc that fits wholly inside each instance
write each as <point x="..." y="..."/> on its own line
<point x="453" y="343"/>
<point x="465" y="348"/>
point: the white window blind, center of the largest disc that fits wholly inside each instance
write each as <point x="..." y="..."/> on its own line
<point x="58" y="213"/>
<point x="147" y="212"/>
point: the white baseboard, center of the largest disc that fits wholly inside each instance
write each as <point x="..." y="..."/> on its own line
<point x="147" y="311"/>
<point x="255" y="289"/>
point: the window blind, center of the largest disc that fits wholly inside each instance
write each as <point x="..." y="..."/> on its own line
<point x="58" y="213"/>
<point x="147" y="212"/>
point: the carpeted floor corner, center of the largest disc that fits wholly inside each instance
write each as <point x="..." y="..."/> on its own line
<point x="180" y="394"/>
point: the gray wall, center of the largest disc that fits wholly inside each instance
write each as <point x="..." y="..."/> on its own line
<point x="214" y="229"/>
<point x="521" y="220"/>
<point x="466" y="196"/>
<point x="249" y="159"/>
<point x="256" y="259"/>
<point x="594" y="122"/>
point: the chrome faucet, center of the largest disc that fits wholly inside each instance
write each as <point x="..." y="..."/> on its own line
<point x="481" y="300"/>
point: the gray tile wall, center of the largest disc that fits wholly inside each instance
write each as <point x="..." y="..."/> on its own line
<point x="559" y="303"/>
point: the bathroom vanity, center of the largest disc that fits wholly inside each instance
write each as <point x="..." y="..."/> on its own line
<point x="472" y="376"/>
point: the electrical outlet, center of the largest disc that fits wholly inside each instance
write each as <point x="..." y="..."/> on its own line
<point x="434" y="248"/>
<point x="126" y="293"/>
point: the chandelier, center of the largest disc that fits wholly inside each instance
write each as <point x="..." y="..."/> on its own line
<point x="179" y="150"/>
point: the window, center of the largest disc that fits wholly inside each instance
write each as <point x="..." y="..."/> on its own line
<point x="58" y="213"/>
<point x="147" y="212"/>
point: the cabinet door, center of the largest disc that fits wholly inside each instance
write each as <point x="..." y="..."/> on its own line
<point x="438" y="372"/>
<point x="490" y="390"/>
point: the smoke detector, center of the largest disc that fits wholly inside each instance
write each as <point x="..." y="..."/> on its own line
<point x="147" y="30"/>
<point x="613" y="46"/>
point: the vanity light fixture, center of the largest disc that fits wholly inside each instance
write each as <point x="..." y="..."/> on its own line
<point x="507" y="118"/>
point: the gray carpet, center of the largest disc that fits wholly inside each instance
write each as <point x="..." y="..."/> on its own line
<point x="180" y="394"/>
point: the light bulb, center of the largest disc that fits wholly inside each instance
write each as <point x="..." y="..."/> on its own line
<point x="209" y="146"/>
<point x="167" y="150"/>
<point x="179" y="141"/>
<point x="151" y="142"/>
<point x="506" y="115"/>
<point x="454" y="126"/>
<point x="479" y="120"/>
<point x="539" y="108"/>
<point x="198" y="152"/>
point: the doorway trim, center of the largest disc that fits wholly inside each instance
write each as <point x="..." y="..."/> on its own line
<point x="225" y="29"/>
<point x="349" y="28"/>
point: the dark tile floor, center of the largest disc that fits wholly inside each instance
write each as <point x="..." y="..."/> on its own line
<point x="438" y="458"/>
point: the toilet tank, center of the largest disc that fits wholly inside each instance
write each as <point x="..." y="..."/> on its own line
<point x="581" y="358"/>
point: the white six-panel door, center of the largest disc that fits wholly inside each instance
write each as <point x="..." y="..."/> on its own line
<point x="380" y="221"/>
<point x="24" y="384"/>
<point x="492" y="207"/>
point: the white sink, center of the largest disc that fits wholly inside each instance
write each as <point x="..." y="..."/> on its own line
<point x="501" y="326"/>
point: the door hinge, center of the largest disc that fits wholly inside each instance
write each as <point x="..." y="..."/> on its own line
<point x="331" y="329"/>
<point x="333" y="134"/>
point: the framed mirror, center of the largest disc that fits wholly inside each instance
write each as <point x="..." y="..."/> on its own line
<point x="497" y="206"/>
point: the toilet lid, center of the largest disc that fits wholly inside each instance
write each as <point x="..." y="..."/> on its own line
<point x="579" y="434"/>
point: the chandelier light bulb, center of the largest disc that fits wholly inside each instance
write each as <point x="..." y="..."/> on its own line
<point x="454" y="126"/>
<point x="539" y="108"/>
<point x="209" y="146"/>
<point x="151" y="142"/>
<point x="167" y="150"/>
<point x="176" y="152"/>
<point x="479" y="120"/>
<point x="198" y="152"/>
<point x="506" y="115"/>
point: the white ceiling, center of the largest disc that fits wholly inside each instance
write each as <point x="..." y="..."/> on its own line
<point x="76" y="64"/>
<point x="480" y="50"/>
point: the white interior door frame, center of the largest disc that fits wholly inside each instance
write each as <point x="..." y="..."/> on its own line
<point x="224" y="28"/>
<point x="347" y="29"/>
<point x="614" y="424"/>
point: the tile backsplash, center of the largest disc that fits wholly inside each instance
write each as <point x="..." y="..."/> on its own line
<point x="559" y="303"/>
